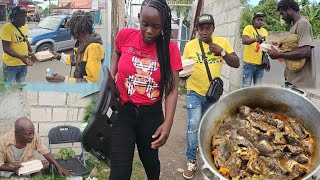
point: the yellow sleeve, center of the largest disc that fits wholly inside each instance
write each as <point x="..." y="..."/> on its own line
<point x="68" y="59"/>
<point x="6" y="33"/>
<point x="186" y="54"/>
<point x="247" y="31"/>
<point x="228" y="47"/>
<point x="72" y="80"/>
<point x="95" y="55"/>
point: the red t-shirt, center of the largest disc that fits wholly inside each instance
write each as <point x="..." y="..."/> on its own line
<point x="138" y="77"/>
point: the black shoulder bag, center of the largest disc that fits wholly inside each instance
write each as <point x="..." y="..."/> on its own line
<point x="265" y="59"/>
<point x="216" y="85"/>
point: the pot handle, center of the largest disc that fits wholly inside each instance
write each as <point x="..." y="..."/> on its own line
<point x="207" y="174"/>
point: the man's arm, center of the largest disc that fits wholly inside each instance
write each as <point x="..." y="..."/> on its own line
<point x="246" y="40"/>
<point x="60" y="169"/>
<point x="7" y="49"/>
<point x="300" y="53"/>
<point x="231" y="59"/>
<point x="10" y="167"/>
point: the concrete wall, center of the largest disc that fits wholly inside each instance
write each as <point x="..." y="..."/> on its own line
<point x="45" y="109"/>
<point x="227" y="15"/>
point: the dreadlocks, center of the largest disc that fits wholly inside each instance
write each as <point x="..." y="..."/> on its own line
<point x="167" y="79"/>
<point x="80" y="22"/>
<point x="288" y="4"/>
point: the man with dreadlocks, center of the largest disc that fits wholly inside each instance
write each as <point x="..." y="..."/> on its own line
<point x="88" y="52"/>
<point x="146" y="67"/>
<point x="304" y="77"/>
<point x="216" y="49"/>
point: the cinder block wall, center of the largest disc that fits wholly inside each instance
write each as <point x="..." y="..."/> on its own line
<point x="45" y="109"/>
<point x="227" y="16"/>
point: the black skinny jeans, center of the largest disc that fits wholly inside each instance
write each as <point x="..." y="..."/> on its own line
<point x="135" y="125"/>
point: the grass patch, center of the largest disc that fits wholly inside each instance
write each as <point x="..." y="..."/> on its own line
<point x="102" y="171"/>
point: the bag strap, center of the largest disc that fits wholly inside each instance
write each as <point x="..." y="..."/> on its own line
<point x="256" y="31"/>
<point x="204" y="58"/>
<point x="24" y="37"/>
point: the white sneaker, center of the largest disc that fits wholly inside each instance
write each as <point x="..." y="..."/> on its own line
<point x="191" y="169"/>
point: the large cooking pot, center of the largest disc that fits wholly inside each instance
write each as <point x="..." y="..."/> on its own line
<point x="281" y="100"/>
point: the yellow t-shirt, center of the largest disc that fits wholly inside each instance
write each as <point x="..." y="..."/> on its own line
<point x="198" y="81"/>
<point x="250" y="55"/>
<point x="17" y="43"/>
<point x="93" y="56"/>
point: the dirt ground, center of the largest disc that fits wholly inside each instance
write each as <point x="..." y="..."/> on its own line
<point x="172" y="154"/>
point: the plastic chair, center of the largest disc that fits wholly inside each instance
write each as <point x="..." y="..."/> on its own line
<point x="68" y="134"/>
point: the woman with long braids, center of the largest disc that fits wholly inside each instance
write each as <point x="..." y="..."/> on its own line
<point x="146" y="67"/>
<point x="88" y="52"/>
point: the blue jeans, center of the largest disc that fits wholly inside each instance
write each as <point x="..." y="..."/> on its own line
<point x="14" y="74"/>
<point x="251" y="73"/>
<point x="196" y="107"/>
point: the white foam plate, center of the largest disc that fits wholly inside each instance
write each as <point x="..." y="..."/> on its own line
<point x="30" y="167"/>
<point x="44" y="55"/>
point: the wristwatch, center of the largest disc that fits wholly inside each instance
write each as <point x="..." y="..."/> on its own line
<point x="223" y="52"/>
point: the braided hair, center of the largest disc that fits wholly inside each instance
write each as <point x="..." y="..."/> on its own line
<point x="80" y="22"/>
<point x="162" y="42"/>
<point x="288" y="4"/>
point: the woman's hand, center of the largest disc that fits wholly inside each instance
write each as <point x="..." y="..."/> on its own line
<point x="162" y="133"/>
<point x="55" y="78"/>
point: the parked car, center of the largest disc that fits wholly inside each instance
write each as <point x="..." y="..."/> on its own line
<point x="51" y="34"/>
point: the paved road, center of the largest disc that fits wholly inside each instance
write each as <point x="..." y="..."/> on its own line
<point x="37" y="72"/>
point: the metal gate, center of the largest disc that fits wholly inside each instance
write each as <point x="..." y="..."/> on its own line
<point x="180" y="32"/>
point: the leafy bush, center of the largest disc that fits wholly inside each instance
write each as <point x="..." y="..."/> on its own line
<point x="89" y="109"/>
<point x="66" y="153"/>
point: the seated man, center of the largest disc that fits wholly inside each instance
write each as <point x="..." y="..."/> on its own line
<point x="18" y="145"/>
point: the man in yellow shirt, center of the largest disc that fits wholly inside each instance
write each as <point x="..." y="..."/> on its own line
<point x="15" y="47"/>
<point x="252" y="36"/>
<point x="217" y="49"/>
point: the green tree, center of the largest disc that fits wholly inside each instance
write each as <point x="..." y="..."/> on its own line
<point x="311" y="11"/>
<point x="181" y="10"/>
<point x="273" y="21"/>
<point x="45" y="12"/>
